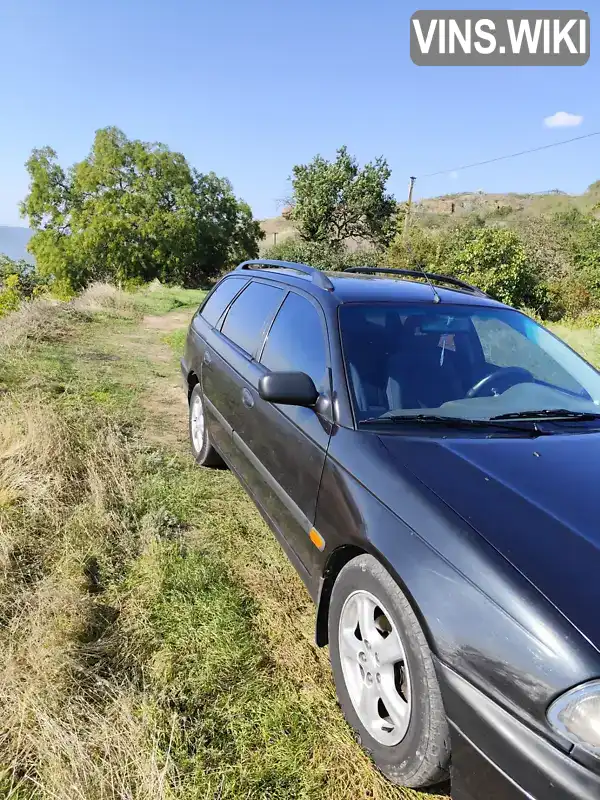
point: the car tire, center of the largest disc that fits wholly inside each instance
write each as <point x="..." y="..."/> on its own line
<point x="409" y="741"/>
<point x="204" y="453"/>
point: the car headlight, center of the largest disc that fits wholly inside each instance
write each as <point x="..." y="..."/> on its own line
<point x="576" y="715"/>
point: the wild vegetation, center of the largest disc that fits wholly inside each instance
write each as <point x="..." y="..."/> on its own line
<point x="155" y="643"/>
<point x="131" y="212"/>
<point x="541" y="253"/>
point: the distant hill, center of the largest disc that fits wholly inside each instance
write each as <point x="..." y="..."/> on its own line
<point x="441" y="211"/>
<point x="510" y="206"/>
<point x="13" y="242"/>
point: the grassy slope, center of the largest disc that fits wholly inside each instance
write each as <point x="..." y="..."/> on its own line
<point x="154" y="640"/>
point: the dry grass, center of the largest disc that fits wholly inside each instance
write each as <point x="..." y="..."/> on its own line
<point x="104" y="297"/>
<point x="154" y="640"/>
<point x="66" y="729"/>
<point x="36" y="321"/>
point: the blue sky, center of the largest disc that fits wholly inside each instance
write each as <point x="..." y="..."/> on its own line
<point x="248" y="88"/>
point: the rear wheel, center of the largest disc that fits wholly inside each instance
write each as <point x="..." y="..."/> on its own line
<point x="204" y="453"/>
<point x="385" y="677"/>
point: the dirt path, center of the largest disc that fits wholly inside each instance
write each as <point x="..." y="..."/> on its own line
<point x="167" y="322"/>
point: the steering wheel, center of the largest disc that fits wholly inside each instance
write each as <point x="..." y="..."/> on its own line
<point x="512" y="375"/>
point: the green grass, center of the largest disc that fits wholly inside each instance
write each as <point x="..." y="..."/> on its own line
<point x="176" y="340"/>
<point x="161" y="299"/>
<point x="154" y="640"/>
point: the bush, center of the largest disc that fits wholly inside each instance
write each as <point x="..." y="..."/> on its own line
<point x="495" y="260"/>
<point x="323" y="256"/>
<point x="422" y="248"/>
<point x="18" y="281"/>
<point x="10" y="296"/>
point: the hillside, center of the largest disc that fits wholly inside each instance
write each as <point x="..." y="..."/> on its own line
<point x="13" y="242"/>
<point x="441" y="211"/>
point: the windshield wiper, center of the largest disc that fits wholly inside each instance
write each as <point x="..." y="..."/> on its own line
<point x="550" y="414"/>
<point x="459" y="422"/>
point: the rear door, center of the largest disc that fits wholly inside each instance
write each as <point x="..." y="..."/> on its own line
<point x="205" y="363"/>
<point x="230" y="371"/>
<point x="288" y="444"/>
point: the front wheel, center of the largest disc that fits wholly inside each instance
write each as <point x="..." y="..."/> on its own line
<point x="204" y="453"/>
<point x="385" y="677"/>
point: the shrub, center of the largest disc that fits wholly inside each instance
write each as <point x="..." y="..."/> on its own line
<point x="10" y="296"/>
<point x="422" y="248"/>
<point x="323" y="256"/>
<point x="495" y="260"/>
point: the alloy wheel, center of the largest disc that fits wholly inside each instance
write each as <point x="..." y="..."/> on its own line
<point x="197" y="426"/>
<point x="375" y="669"/>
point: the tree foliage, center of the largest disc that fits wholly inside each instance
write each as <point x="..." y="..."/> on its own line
<point x="336" y="200"/>
<point x="18" y="281"/>
<point x="494" y="259"/>
<point x="133" y="210"/>
<point x="323" y="256"/>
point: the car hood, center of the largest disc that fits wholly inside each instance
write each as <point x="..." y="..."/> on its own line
<point x="537" y="501"/>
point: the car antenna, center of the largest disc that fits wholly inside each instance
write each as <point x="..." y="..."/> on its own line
<point x="417" y="263"/>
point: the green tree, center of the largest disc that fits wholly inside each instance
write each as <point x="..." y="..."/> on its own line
<point x="133" y="210"/>
<point x="495" y="260"/>
<point x="334" y="201"/>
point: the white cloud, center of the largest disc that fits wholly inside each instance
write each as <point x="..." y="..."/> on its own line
<point x="453" y="176"/>
<point x="562" y="119"/>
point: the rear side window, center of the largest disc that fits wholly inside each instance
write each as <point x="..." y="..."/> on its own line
<point x="247" y="319"/>
<point x="220" y="299"/>
<point x="297" y="341"/>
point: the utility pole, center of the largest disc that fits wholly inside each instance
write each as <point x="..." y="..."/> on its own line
<point x="409" y="204"/>
<point x="274" y="237"/>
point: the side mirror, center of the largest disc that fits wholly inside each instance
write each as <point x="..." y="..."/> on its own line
<point x="288" y="388"/>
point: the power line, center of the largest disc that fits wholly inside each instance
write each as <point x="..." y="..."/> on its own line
<point x="512" y="155"/>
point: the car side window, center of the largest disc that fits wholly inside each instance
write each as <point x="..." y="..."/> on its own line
<point x="220" y="299"/>
<point x="250" y="314"/>
<point x="297" y="341"/>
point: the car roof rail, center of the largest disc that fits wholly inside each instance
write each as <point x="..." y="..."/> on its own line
<point x="420" y="273"/>
<point x="317" y="276"/>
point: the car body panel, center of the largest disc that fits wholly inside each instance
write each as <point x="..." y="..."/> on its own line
<point x="540" y="507"/>
<point x="470" y="600"/>
<point x="500" y="758"/>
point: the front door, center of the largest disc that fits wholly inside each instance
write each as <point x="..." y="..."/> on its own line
<point x="288" y="444"/>
<point x="230" y="369"/>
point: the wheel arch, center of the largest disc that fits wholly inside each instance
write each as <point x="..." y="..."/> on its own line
<point x="335" y="563"/>
<point x="192" y="380"/>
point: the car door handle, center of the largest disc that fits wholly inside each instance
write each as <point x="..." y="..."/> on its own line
<point x="247" y="398"/>
<point x="207" y="358"/>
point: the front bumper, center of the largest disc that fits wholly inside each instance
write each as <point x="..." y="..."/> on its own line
<point x="497" y="757"/>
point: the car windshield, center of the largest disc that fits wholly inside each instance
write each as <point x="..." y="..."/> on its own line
<point x="461" y="361"/>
